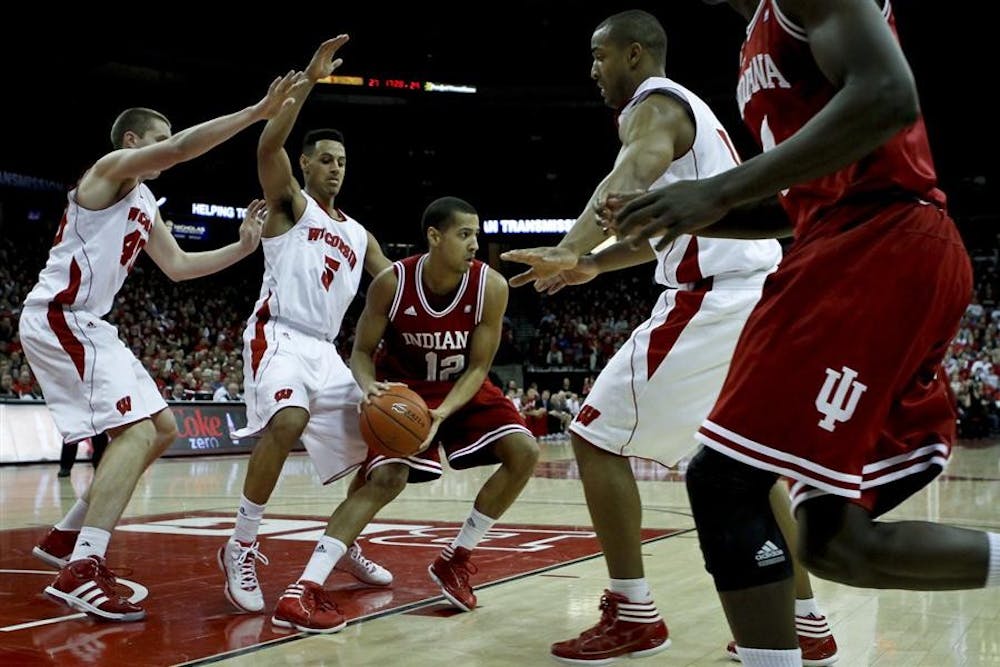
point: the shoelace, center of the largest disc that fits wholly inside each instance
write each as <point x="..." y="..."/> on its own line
<point x="609" y="610"/>
<point x="463" y="569"/>
<point x="369" y="566"/>
<point x="107" y="581"/>
<point x="322" y="601"/>
<point x="609" y="613"/>
<point x="248" y="568"/>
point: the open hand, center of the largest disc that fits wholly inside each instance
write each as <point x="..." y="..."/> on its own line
<point x="378" y="388"/>
<point x="253" y="223"/>
<point x="280" y="94"/>
<point x="323" y="63"/>
<point x="585" y="270"/>
<point x="544" y="262"/>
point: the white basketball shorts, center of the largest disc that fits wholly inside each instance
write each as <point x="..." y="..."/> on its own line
<point x="659" y="386"/>
<point x="295" y="369"/>
<point x="91" y="381"/>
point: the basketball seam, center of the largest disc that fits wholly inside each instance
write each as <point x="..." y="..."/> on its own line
<point x="403" y="424"/>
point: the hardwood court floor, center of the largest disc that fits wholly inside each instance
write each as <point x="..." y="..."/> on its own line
<point x="535" y="590"/>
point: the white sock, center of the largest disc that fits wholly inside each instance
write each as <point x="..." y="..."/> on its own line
<point x="806" y="607"/>
<point x="74" y="518"/>
<point x="473" y="530"/>
<point x="248" y="521"/>
<point x="993" y="574"/>
<point x="768" y="657"/>
<point x="326" y="554"/>
<point x="92" y="542"/>
<point x="636" y="590"/>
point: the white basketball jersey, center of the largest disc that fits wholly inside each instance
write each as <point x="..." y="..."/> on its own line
<point x="311" y="273"/>
<point x="690" y="259"/>
<point x="94" y="251"/>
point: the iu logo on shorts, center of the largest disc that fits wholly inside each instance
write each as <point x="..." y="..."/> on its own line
<point x="587" y="414"/>
<point x="282" y="394"/>
<point x="124" y="404"/>
<point x="834" y="401"/>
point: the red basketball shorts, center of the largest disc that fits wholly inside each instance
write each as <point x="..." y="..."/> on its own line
<point x="836" y="379"/>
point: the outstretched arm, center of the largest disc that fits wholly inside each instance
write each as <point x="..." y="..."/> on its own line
<point x="876" y="98"/>
<point x="101" y="184"/>
<point x="658" y="129"/>
<point x="620" y="255"/>
<point x="179" y="264"/>
<point x="274" y="168"/>
<point x="764" y="219"/>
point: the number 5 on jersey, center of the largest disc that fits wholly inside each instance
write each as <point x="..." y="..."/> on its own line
<point x="331" y="270"/>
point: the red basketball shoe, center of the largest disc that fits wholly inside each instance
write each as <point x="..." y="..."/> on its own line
<point x="87" y="585"/>
<point x="306" y="607"/>
<point x="56" y="547"/>
<point x="626" y="630"/>
<point x="452" y="575"/>
<point x="816" y="640"/>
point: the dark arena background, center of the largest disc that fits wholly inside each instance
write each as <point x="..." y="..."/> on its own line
<point x="492" y="103"/>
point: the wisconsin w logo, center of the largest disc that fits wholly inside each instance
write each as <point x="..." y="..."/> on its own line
<point x="587" y="414"/>
<point x="124" y="404"/>
<point x="834" y="401"/>
<point x="282" y="394"/>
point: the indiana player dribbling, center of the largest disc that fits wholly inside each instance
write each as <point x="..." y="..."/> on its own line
<point x="440" y="316"/>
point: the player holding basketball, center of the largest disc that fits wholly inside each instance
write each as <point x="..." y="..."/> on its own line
<point x="654" y="392"/>
<point x="297" y="385"/>
<point x="92" y="382"/>
<point x="440" y="316"/>
<point x="836" y="380"/>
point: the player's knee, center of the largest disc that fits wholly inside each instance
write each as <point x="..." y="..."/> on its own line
<point x="740" y="540"/>
<point x="287" y="425"/>
<point x="166" y="429"/>
<point x="518" y="453"/>
<point x="388" y="481"/>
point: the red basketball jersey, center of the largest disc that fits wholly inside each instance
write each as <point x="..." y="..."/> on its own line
<point x="426" y="344"/>
<point x="781" y="88"/>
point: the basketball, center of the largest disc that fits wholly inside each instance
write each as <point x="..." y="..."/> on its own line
<point x="395" y="423"/>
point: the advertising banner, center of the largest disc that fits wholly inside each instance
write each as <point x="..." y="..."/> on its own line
<point x="28" y="435"/>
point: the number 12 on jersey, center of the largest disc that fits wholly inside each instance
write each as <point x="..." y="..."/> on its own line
<point x="447" y="369"/>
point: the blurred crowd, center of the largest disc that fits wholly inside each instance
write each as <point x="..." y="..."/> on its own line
<point x="189" y="336"/>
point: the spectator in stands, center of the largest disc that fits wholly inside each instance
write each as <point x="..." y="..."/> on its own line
<point x="231" y="392"/>
<point x="7" y="332"/>
<point x="534" y="413"/>
<point x="22" y="386"/>
<point x="554" y="357"/>
<point x="559" y="414"/>
<point x="7" y="387"/>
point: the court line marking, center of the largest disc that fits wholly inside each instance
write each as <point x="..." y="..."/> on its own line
<point x="413" y="606"/>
